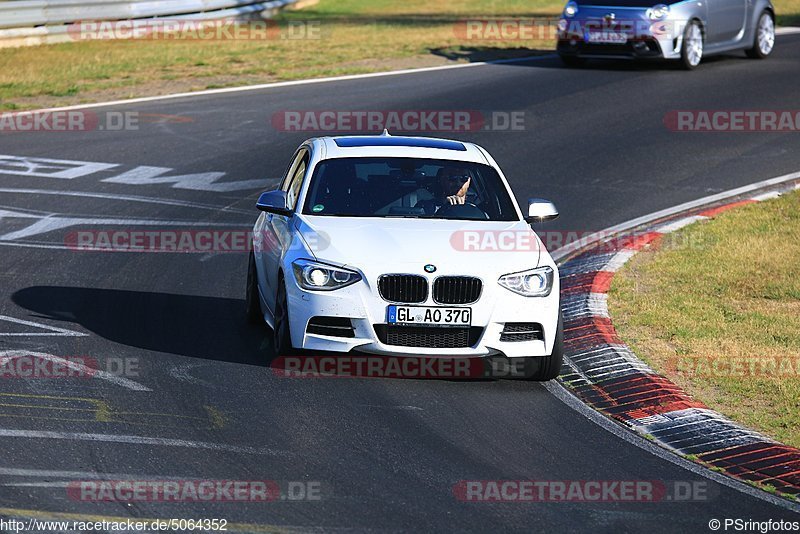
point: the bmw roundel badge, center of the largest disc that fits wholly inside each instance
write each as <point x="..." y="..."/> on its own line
<point x="430" y="268"/>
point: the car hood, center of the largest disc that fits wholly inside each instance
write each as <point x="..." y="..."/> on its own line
<point x="382" y="245"/>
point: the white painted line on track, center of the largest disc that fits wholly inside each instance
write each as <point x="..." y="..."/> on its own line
<point x="136" y="440"/>
<point x="62" y="484"/>
<point x="9" y="355"/>
<point x="680" y="223"/>
<point x="131" y="198"/>
<point x="49" y="473"/>
<point x="55" y="222"/>
<point x="787" y="30"/>
<point x="50" y="330"/>
<point x="767" y="196"/>
<point x="181" y="372"/>
<point x="293" y="83"/>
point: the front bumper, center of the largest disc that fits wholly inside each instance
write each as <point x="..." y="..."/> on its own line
<point x="632" y="49"/>
<point x="646" y="39"/>
<point x="367" y="312"/>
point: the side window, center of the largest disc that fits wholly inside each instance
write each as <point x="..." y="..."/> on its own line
<point x="296" y="181"/>
<point x="289" y="174"/>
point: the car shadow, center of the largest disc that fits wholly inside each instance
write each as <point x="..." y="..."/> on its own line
<point x="648" y="64"/>
<point x="547" y="59"/>
<point x="212" y="328"/>
<point x="478" y="54"/>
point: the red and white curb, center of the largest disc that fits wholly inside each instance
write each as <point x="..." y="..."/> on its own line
<point x="605" y="373"/>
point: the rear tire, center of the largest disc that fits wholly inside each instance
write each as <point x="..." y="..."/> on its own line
<point x="692" y="46"/>
<point x="764" y="38"/>
<point x="572" y="61"/>
<point x="281" y="334"/>
<point x="544" y="368"/>
<point x="252" y="299"/>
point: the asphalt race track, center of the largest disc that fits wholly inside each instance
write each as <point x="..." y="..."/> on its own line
<point x="205" y="403"/>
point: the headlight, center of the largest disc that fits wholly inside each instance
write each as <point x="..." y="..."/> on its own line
<point x="658" y="12"/>
<point x="321" y="277"/>
<point x="533" y="283"/>
<point x="571" y="9"/>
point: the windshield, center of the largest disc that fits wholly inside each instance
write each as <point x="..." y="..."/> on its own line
<point x="406" y="187"/>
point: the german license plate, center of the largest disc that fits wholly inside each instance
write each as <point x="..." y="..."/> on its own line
<point x="429" y="316"/>
<point x="607" y="37"/>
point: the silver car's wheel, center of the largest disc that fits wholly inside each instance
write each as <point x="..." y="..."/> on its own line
<point x="692" y="49"/>
<point x="764" y="39"/>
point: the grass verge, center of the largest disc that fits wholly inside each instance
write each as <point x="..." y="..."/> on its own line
<point x="716" y="308"/>
<point x="354" y="36"/>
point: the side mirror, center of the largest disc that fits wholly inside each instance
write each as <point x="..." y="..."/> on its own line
<point x="540" y="210"/>
<point x="274" y="202"/>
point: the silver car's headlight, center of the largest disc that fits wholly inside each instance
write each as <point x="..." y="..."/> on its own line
<point x="658" y="12"/>
<point x="571" y="9"/>
<point x="532" y="283"/>
<point x="317" y="276"/>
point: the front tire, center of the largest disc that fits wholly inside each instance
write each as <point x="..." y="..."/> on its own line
<point x="282" y="335"/>
<point x="252" y="300"/>
<point x="544" y="368"/>
<point x="764" y="38"/>
<point x="692" y="46"/>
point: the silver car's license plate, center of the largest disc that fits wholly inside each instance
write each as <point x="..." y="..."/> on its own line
<point x="429" y="316"/>
<point x="607" y="37"/>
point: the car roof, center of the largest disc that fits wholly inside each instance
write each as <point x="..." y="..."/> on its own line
<point x="364" y="146"/>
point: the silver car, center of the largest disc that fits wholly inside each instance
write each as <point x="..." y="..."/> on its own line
<point x="686" y="31"/>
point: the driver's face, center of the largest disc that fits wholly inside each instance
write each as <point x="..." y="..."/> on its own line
<point x="452" y="180"/>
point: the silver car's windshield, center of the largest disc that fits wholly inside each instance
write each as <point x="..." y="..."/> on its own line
<point x="408" y="187"/>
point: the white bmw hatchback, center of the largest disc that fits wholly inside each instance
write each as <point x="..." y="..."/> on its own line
<point x="404" y="246"/>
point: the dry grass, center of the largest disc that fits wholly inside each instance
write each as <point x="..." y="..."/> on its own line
<point x="721" y="317"/>
<point x="788" y="12"/>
